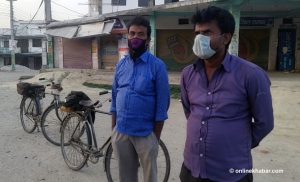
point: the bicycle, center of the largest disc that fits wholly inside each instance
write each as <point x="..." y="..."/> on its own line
<point x="79" y="144"/>
<point x="52" y="117"/>
<point x="31" y="112"/>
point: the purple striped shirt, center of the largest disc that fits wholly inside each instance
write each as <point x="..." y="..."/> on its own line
<point x="226" y="117"/>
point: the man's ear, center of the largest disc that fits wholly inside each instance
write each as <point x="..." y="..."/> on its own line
<point x="227" y="38"/>
<point x="148" y="42"/>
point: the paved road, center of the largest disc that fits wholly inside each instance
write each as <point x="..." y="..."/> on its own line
<point x="30" y="158"/>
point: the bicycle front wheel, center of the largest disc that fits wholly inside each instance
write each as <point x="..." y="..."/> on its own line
<point x="163" y="165"/>
<point x="28" y="114"/>
<point x="75" y="141"/>
<point x="51" y="123"/>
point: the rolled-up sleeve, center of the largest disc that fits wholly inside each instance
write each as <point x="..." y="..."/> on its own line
<point x="260" y="99"/>
<point x="162" y="94"/>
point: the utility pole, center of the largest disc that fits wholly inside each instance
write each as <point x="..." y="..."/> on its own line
<point x="95" y="7"/>
<point x="12" y="37"/>
<point x="48" y="14"/>
<point x="48" y="48"/>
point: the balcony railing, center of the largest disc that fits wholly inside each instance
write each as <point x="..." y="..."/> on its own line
<point x="6" y="50"/>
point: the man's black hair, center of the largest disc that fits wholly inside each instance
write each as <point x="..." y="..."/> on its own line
<point x="141" y="21"/>
<point x="224" y="18"/>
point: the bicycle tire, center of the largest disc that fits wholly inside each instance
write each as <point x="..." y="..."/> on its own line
<point x="51" y="124"/>
<point x="30" y="111"/>
<point x="163" y="175"/>
<point x="74" y="143"/>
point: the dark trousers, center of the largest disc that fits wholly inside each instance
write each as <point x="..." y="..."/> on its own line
<point x="186" y="176"/>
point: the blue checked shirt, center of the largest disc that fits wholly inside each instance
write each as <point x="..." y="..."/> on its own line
<point x="140" y="94"/>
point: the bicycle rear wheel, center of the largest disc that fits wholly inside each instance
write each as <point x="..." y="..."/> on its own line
<point x="28" y="114"/>
<point x="163" y="165"/>
<point x="75" y="141"/>
<point x="51" y="123"/>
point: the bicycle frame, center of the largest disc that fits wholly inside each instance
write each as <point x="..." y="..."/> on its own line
<point x="93" y="149"/>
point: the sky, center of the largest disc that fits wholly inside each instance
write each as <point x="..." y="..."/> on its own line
<point x="25" y="9"/>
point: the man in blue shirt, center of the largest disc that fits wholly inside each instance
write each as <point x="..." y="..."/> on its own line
<point x="227" y="103"/>
<point x="140" y="101"/>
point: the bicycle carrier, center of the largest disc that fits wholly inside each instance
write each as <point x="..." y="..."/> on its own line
<point x="29" y="89"/>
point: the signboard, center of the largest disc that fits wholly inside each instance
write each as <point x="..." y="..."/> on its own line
<point x="257" y="21"/>
<point x="118" y="24"/>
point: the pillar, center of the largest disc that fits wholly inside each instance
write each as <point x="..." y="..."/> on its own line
<point x="152" y="46"/>
<point x="234" y="45"/>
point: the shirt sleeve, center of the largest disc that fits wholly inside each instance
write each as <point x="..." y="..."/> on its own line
<point x="114" y="94"/>
<point x="260" y="100"/>
<point x="162" y="94"/>
<point x="184" y="97"/>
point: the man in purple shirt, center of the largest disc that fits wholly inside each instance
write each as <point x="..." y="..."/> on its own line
<point x="227" y="103"/>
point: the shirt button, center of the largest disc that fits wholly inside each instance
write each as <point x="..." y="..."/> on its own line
<point x="209" y="93"/>
<point x="201" y="155"/>
<point x="203" y="122"/>
<point x="207" y="108"/>
<point x="201" y="139"/>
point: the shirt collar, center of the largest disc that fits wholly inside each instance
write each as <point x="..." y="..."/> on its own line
<point x="226" y="64"/>
<point x="143" y="57"/>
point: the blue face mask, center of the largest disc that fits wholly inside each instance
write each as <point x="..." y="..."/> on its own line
<point x="202" y="47"/>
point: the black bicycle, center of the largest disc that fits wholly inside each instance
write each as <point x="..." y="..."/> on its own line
<point x="31" y="111"/>
<point x="79" y="144"/>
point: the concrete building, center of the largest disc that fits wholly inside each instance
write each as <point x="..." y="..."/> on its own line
<point x="267" y="33"/>
<point x="31" y="44"/>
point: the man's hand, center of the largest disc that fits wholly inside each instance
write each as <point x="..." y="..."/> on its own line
<point x="113" y="121"/>
<point x="158" y="128"/>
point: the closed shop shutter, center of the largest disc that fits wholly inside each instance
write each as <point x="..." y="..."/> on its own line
<point x="77" y="53"/>
<point x="254" y="46"/>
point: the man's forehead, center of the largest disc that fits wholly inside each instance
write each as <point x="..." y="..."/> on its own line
<point x="137" y="28"/>
<point x="206" y="26"/>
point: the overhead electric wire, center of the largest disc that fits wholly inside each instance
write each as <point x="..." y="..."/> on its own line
<point x="31" y="18"/>
<point x="66" y="8"/>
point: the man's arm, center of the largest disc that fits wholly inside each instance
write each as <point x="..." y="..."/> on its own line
<point x="162" y="99"/>
<point x="184" y="97"/>
<point x="113" y="101"/>
<point x="259" y="96"/>
<point x="113" y="120"/>
<point x="158" y="128"/>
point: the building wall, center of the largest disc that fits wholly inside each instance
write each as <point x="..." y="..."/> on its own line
<point x="171" y="22"/>
<point x="95" y="55"/>
<point x="58" y="52"/>
<point x="174" y="47"/>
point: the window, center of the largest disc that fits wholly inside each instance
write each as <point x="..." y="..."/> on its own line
<point x="143" y="3"/>
<point x="171" y="1"/>
<point x="118" y="2"/>
<point x="36" y="42"/>
<point x="6" y="43"/>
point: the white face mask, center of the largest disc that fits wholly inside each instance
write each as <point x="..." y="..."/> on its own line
<point x="202" y="47"/>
